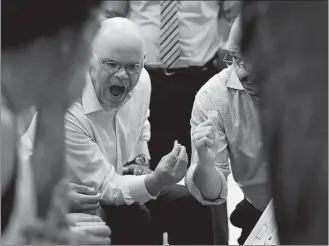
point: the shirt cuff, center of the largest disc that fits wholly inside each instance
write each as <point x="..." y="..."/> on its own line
<point x="196" y="192"/>
<point x="140" y="149"/>
<point x="137" y="188"/>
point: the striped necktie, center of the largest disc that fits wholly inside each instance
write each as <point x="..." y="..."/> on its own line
<point x="169" y="33"/>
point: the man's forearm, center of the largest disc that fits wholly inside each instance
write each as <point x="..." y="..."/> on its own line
<point x="207" y="179"/>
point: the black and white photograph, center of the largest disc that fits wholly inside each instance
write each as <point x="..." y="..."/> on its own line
<point x="164" y="122"/>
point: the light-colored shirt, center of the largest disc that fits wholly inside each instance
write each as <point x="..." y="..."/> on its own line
<point x="241" y="148"/>
<point x="99" y="143"/>
<point x="201" y="31"/>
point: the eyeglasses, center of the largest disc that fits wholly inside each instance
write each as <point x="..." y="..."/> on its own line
<point x="230" y="59"/>
<point x="113" y="67"/>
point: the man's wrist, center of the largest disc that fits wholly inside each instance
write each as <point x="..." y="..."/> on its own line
<point x="205" y="163"/>
<point x="153" y="185"/>
<point x="142" y="160"/>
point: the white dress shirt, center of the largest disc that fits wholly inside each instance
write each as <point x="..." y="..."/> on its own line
<point x="99" y="143"/>
<point x="241" y="147"/>
<point x="202" y="32"/>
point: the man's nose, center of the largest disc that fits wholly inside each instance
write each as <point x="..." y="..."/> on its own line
<point x="122" y="73"/>
<point x="243" y="71"/>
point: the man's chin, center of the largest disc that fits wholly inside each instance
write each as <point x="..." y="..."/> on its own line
<point x="253" y="93"/>
<point x="114" y="104"/>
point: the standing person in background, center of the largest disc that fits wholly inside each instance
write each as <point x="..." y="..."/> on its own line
<point x="44" y="54"/>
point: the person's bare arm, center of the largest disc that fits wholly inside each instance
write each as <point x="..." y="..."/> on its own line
<point x="207" y="141"/>
<point x="206" y="177"/>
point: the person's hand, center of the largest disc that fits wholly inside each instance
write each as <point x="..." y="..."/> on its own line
<point x="54" y="229"/>
<point x="171" y="169"/>
<point x="91" y="228"/>
<point x="76" y="218"/>
<point x="206" y="140"/>
<point x="93" y="233"/>
<point x="83" y="199"/>
<point x="136" y="169"/>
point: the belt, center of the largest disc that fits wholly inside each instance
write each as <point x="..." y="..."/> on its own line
<point x="186" y="70"/>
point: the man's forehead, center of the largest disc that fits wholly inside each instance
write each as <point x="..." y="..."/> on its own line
<point x="117" y="35"/>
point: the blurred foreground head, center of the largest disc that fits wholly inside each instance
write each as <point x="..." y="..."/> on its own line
<point x="286" y="43"/>
<point x="45" y="45"/>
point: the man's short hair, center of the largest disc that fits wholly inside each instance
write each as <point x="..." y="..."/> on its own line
<point x="22" y="21"/>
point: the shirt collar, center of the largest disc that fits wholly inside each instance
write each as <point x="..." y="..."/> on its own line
<point x="233" y="80"/>
<point x="90" y="102"/>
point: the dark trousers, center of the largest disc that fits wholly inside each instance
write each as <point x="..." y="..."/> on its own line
<point x="245" y="216"/>
<point x="171" y="105"/>
<point x="174" y="211"/>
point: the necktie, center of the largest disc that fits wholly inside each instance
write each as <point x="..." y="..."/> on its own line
<point x="169" y="33"/>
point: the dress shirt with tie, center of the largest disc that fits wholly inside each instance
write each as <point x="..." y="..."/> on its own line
<point x="240" y="138"/>
<point x="201" y="31"/>
<point x="99" y="143"/>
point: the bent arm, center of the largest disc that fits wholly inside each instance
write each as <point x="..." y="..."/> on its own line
<point x="88" y="166"/>
<point x="207" y="182"/>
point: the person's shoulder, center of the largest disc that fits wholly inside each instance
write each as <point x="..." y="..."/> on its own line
<point x="75" y="114"/>
<point x="76" y="108"/>
<point x="143" y="87"/>
<point x="215" y="89"/>
<point x="144" y="79"/>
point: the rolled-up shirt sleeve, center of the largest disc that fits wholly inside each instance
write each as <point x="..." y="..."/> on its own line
<point x="87" y="165"/>
<point x="201" y="107"/>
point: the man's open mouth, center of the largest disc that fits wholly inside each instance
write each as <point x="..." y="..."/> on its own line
<point x="116" y="90"/>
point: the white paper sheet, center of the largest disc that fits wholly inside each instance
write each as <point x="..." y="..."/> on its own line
<point x="265" y="231"/>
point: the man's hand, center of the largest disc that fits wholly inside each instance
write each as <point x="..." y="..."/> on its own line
<point x="90" y="228"/>
<point x="171" y="169"/>
<point x="83" y="199"/>
<point x="136" y="169"/>
<point x="76" y="218"/>
<point x="87" y="233"/>
<point x="206" y="140"/>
